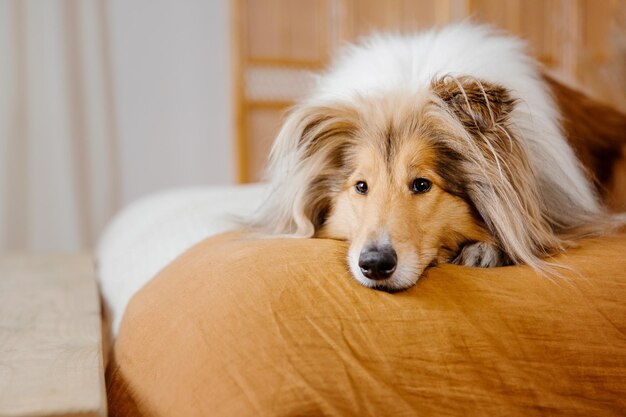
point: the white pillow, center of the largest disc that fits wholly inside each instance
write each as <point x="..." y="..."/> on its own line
<point x="148" y="234"/>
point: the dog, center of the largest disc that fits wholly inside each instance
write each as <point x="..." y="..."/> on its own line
<point x="446" y="146"/>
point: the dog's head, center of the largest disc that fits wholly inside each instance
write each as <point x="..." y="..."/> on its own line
<point x="407" y="179"/>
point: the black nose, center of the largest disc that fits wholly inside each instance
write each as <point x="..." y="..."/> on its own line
<point x="378" y="262"/>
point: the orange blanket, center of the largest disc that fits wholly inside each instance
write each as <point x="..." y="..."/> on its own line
<point x="279" y="328"/>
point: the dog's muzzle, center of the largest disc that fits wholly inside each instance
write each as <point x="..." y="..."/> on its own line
<point x="378" y="262"/>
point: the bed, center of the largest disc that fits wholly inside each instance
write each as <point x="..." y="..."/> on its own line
<point x="235" y="326"/>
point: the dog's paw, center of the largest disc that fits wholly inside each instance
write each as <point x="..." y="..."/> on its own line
<point x="481" y="254"/>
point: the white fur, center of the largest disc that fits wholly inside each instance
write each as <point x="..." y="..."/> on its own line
<point x="150" y="233"/>
<point x="387" y="63"/>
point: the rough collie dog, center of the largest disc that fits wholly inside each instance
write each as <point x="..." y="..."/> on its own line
<point x="444" y="146"/>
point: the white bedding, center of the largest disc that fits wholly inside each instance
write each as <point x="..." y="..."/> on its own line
<point x="151" y="232"/>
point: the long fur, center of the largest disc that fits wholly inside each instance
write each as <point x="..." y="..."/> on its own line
<point x="597" y="132"/>
<point x="507" y="141"/>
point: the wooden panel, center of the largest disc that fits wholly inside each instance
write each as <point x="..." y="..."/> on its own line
<point x="280" y="37"/>
<point x="286" y="31"/>
<point x="366" y="16"/>
<point x="582" y="41"/>
<point x="263" y="125"/>
<point x="538" y="21"/>
<point x="602" y="58"/>
<point x="370" y="15"/>
<point x="506" y="14"/>
<point x="50" y="337"/>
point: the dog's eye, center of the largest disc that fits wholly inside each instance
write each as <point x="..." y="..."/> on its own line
<point x="421" y="185"/>
<point x="361" y="187"/>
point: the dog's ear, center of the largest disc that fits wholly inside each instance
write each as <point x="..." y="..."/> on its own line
<point x="307" y="167"/>
<point x="479" y="105"/>
<point x="313" y="134"/>
<point x="319" y="127"/>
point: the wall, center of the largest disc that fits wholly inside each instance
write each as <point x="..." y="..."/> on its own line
<point x="171" y="67"/>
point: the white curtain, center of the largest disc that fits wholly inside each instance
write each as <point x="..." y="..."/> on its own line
<point x="102" y="102"/>
<point x="59" y="175"/>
